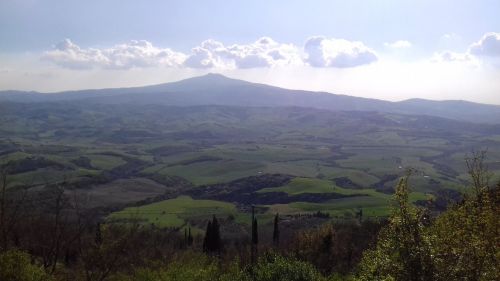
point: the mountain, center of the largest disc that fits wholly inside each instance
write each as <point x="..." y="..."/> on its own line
<point x="216" y="89"/>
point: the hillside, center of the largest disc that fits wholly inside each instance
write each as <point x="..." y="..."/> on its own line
<point x="216" y="138"/>
<point x="215" y="89"/>
<point x="334" y="161"/>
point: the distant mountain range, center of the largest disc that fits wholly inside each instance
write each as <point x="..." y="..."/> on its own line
<point x="216" y="89"/>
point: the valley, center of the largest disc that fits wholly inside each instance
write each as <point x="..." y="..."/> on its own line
<point x="144" y="159"/>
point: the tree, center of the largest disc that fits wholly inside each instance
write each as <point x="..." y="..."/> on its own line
<point x="208" y="239"/>
<point x="466" y="237"/>
<point x="12" y="207"/>
<point x="276" y="230"/>
<point x="216" y="235"/>
<point x="478" y="172"/>
<point x="4" y="229"/>
<point x="255" y="232"/>
<point x="359" y="215"/>
<point x="185" y="237"/>
<point x="212" y="242"/>
<point x="98" y="235"/>
<point x="460" y="244"/>
<point x="255" y="237"/>
<point x="403" y="250"/>
<point x="189" y="237"/>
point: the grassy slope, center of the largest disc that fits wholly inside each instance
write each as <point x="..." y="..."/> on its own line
<point x="372" y="202"/>
<point x="301" y="142"/>
<point x="171" y="213"/>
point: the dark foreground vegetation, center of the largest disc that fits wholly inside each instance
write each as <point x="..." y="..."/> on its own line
<point x="49" y="235"/>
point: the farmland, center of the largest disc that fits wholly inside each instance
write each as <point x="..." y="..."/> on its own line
<point x="194" y="162"/>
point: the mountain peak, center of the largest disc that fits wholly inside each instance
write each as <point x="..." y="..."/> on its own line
<point x="207" y="80"/>
<point x="214" y="75"/>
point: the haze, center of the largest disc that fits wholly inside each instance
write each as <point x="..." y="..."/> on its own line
<point x="392" y="50"/>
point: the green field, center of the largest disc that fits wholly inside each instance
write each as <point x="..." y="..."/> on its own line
<point x="304" y="185"/>
<point x="373" y="203"/>
<point x="184" y="210"/>
<point x="105" y="162"/>
<point x="127" y="155"/>
<point x="174" y="212"/>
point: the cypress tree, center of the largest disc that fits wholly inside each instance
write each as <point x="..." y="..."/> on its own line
<point x="190" y="237"/>
<point x="212" y="241"/>
<point x="255" y="238"/>
<point x="208" y="238"/>
<point x="255" y="233"/>
<point x="276" y="231"/>
<point x="216" y="241"/>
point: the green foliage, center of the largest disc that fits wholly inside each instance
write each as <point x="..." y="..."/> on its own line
<point x="466" y="239"/>
<point x="403" y="250"/>
<point x="273" y="267"/>
<point x="196" y="268"/>
<point x="461" y="244"/>
<point x="335" y="248"/>
<point x="340" y="277"/>
<point x="188" y="267"/>
<point x="192" y="266"/>
<point x="16" y="266"/>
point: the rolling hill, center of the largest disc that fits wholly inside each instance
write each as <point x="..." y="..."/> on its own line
<point x="216" y="141"/>
<point x="215" y="89"/>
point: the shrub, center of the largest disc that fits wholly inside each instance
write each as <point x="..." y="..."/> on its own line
<point x="16" y="266"/>
<point x="188" y="267"/>
<point x="273" y="267"/>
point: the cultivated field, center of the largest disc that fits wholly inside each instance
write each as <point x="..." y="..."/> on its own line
<point x="177" y="166"/>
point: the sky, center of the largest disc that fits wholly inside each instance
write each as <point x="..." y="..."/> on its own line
<point x="383" y="49"/>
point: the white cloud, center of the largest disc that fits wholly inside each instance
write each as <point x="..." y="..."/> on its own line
<point x="488" y="45"/>
<point x="449" y="56"/>
<point x="486" y="52"/>
<point x="265" y="52"/>
<point x="134" y="54"/>
<point x="391" y="79"/>
<point x="398" y="44"/>
<point x="201" y="58"/>
<point x="340" y="53"/>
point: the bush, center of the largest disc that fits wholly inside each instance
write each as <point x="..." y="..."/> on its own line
<point x="188" y="267"/>
<point x="273" y="267"/>
<point x="194" y="267"/>
<point x="16" y="266"/>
